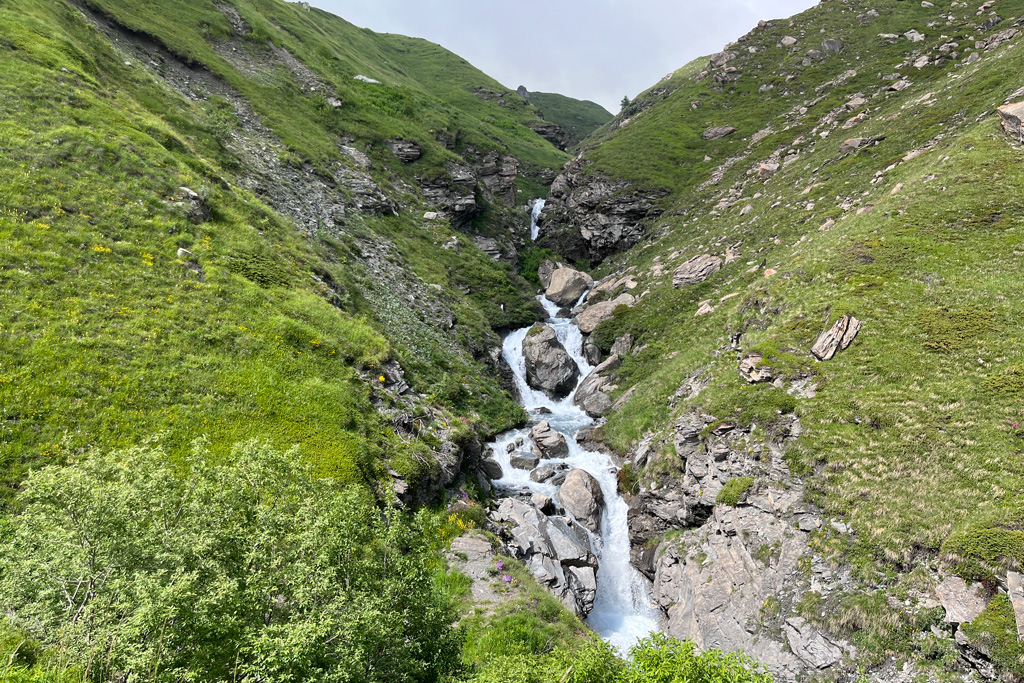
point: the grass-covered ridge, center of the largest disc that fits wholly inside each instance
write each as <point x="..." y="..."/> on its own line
<point x="578" y="118"/>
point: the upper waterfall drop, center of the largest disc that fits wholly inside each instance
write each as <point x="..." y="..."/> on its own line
<point x="538" y="206"/>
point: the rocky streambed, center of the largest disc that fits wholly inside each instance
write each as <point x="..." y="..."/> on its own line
<point x="561" y="512"/>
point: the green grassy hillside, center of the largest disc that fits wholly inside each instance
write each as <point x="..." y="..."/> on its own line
<point x="913" y="436"/>
<point x="578" y="118"/>
<point x="148" y="291"/>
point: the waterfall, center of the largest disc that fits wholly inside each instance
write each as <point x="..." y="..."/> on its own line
<point x="622" y="612"/>
<point x="538" y="206"/>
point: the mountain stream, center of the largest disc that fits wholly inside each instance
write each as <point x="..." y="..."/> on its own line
<point x="622" y="611"/>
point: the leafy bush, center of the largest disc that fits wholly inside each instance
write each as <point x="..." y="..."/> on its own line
<point x="662" y="659"/>
<point x="250" y="569"/>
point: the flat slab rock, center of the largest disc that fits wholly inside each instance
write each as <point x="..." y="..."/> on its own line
<point x="1012" y="116"/>
<point x="696" y="270"/>
<point x="962" y="603"/>
<point x="718" y="132"/>
<point x="837" y="339"/>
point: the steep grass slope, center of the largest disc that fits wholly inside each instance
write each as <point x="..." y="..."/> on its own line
<point x="205" y="234"/>
<point x="870" y="177"/>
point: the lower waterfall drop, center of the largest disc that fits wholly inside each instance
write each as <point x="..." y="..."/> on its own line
<point x="623" y="612"/>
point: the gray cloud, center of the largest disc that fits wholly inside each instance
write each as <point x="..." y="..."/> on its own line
<point x="595" y="50"/>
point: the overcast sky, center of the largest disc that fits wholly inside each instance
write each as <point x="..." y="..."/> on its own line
<point x="594" y="50"/>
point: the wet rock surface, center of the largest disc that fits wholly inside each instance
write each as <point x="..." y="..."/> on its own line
<point x="549" y="367"/>
<point x="548" y="441"/>
<point x="581" y="497"/>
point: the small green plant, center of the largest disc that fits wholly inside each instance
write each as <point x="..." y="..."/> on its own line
<point x="734" y="491"/>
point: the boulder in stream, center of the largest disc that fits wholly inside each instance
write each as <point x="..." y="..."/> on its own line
<point x="567" y="286"/>
<point x="549" y="367"/>
<point x="549" y="443"/>
<point x="592" y="394"/>
<point x="581" y="497"/>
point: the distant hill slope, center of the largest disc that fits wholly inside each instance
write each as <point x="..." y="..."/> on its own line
<point x="578" y="118"/>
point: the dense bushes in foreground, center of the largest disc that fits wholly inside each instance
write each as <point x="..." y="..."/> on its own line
<point x="138" y="566"/>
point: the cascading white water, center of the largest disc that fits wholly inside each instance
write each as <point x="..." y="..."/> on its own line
<point x="622" y="609"/>
<point x="538" y="206"/>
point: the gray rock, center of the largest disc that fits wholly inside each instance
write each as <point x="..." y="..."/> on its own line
<point x="623" y="344"/>
<point x="592" y="393"/>
<point x="592" y="352"/>
<point x="549" y="367"/>
<point x="491" y="468"/>
<point x="788" y="41"/>
<point x="914" y="36"/>
<point x="581" y="497"/>
<point x="544" y="273"/>
<point x="596" y="314"/>
<point x="810" y="645"/>
<point x="543" y="503"/>
<point x="524" y="461"/>
<point x="837" y="339"/>
<point x="696" y="270"/>
<point x="1012" y="117"/>
<point x="406" y="150"/>
<point x="549" y="443"/>
<point x="558" y="554"/>
<point x="567" y="286"/>
<point x="547" y="472"/>
<point x="753" y="370"/>
<point x="1015" y="591"/>
<point x="721" y="59"/>
<point x="718" y="132"/>
<point x="832" y="46"/>
<point x="962" y="603"/>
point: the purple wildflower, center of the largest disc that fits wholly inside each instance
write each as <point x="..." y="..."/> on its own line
<point x="507" y="579"/>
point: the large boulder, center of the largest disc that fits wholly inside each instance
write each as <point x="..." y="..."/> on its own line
<point x="696" y="270"/>
<point x="567" y="286"/>
<point x="592" y="394"/>
<point x="581" y="497"/>
<point x="596" y="314"/>
<point x="836" y="339"/>
<point x="549" y="443"/>
<point x="549" y="367"/>
<point x="1012" y="116"/>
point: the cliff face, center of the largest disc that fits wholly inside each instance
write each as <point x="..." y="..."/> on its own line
<point x="817" y="226"/>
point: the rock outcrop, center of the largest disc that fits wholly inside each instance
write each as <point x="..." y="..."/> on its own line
<point x="753" y="369"/>
<point x="837" y="339"/>
<point x="406" y="150"/>
<point x="581" y="497"/>
<point x="549" y="367"/>
<point x="556" y="552"/>
<point x="589" y="216"/>
<point x="696" y="270"/>
<point x="567" y="286"/>
<point x="963" y="603"/>
<point x="592" y="394"/>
